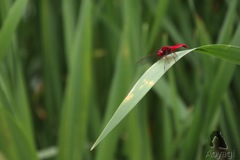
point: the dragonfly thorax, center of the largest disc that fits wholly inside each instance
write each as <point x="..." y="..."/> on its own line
<point x="165" y="50"/>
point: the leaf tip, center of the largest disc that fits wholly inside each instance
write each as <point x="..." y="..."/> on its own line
<point x="91" y="148"/>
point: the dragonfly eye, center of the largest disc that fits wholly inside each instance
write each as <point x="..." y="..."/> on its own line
<point x="160" y="53"/>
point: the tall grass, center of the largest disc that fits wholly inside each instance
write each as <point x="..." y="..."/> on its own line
<point x="67" y="65"/>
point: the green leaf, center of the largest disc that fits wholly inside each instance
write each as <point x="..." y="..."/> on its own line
<point x="226" y="52"/>
<point x="155" y="72"/>
<point x="78" y="90"/>
<point x="10" y="24"/>
<point x="12" y="138"/>
<point x="143" y="85"/>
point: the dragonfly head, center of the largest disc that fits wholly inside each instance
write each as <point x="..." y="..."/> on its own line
<point x="163" y="51"/>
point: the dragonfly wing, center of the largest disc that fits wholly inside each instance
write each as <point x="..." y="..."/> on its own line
<point x="148" y="59"/>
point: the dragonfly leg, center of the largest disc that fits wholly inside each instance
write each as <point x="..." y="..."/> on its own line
<point x="166" y="62"/>
<point x="165" y="66"/>
<point x="174" y="55"/>
<point x="167" y="59"/>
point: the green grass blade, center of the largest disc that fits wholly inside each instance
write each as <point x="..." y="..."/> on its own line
<point x="173" y="31"/>
<point x="10" y="24"/>
<point x="226" y="52"/>
<point x="232" y="120"/>
<point x="228" y="24"/>
<point x="74" y="117"/>
<point x="69" y="18"/>
<point x="143" y="85"/>
<point x="51" y="59"/>
<point x="13" y="137"/>
<point x="154" y="73"/>
<point x="123" y="74"/>
<point x="161" y="10"/>
<point x="204" y="36"/>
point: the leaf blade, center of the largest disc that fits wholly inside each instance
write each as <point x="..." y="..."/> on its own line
<point x="143" y="85"/>
<point x="219" y="51"/>
<point x="154" y="73"/>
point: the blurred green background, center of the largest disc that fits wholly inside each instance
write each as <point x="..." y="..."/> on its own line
<point x="67" y="65"/>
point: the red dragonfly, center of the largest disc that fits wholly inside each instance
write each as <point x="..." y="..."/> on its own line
<point x="164" y="51"/>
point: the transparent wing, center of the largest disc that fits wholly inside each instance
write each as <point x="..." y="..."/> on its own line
<point x="148" y="59"/>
